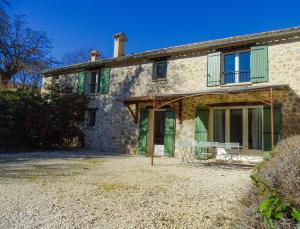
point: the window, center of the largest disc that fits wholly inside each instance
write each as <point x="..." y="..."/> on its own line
<point x="160" y="69"/>
<point x="255" y="128"/>
<point x="239" y="124"/>
<point x="99" y="81"/>
<point x="236" y="125"/>
<point x="91" y="118"/>
<point x="219" y="125"/>
<point x="237" y="67"/>
<point x="93" y="82"/>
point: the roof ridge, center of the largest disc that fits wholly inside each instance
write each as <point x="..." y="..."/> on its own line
<point x="251" y="37"/>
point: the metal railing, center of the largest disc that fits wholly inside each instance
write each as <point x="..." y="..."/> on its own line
<point x="236" y="77"/>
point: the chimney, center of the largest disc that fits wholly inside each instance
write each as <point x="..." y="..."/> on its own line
<point x="94" y="55"/>
<point x="119" y="41"/>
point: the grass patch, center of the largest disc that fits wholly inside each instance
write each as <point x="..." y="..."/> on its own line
<point x="109" y="187"/>
<point x="93" y="161"/>
<point x="159" y="189"/>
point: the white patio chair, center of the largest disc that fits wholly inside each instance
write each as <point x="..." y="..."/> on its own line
<point x="205" y="145"/>
<point x="228" y="151"/>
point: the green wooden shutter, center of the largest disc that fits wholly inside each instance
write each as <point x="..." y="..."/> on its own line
<point x="169" y="133"/>
<point x="142" y="143"/>
<point x="99" y="81"/>
<point x="201" y="128"/>
<point x="214" y="69"/>
<point x="104" y="81"/>
<point x="259" y="64"/>
<point x="267" y="126"/>
<point x="81" y="83"/>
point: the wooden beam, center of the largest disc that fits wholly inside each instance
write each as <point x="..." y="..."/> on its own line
<point x="136" y="113"/>
<point x="237" y="104"/>
<point x="133" y="114"/>
<point x="180" y="111"/>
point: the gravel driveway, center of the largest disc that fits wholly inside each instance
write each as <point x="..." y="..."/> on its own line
<point x="85" y="189"/>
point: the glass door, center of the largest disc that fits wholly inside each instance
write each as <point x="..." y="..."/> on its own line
<point x="219" y="125"/>
<point x="241" y="125"/>
<point x="236" y="125"/>
<point x="255" y="128"/>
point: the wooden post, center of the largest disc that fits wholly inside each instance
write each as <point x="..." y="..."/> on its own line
<point x="137" y="113"/>
<point x="272" y="119"/>
<point x="180" y="111"/>
<point x="153" y="130"/>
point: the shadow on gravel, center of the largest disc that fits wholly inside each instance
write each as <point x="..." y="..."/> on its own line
<point x="33" y="172"/>
<point x="220" y="166"/>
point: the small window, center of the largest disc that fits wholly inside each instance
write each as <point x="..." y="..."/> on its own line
<point x="93" y="82"/>
<point x="55" y="79"/>
<point x="91" y="118"/>
<point x="160" y="69"/>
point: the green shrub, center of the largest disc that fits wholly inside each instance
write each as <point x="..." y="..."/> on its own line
<point x="274" y="199"/>
<point x="29" y="119"/>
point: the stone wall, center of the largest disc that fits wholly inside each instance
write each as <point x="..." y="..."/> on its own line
<point x="115" y="129"/>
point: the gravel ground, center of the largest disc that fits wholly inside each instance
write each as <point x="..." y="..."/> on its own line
<point x="87" y="190"/>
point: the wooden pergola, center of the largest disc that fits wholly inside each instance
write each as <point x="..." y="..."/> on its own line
<point x="159" y="101"/>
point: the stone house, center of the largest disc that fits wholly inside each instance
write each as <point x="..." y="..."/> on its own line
<point x="224" y="90"/>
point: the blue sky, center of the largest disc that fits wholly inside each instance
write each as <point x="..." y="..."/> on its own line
<point x="151" y="24"/>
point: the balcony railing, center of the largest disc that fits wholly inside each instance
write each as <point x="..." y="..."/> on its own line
<point x="236" y="77"/>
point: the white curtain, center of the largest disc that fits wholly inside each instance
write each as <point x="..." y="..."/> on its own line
<point x="256" y="128"/>
<point x="219" y="125"/>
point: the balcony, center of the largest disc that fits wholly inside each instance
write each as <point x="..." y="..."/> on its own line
<point x="235" y="77"/>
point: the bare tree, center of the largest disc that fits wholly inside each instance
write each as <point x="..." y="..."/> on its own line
<point x="4" y="3"/>
<point x="79" y="55"/>
<point x="22" y="50"/>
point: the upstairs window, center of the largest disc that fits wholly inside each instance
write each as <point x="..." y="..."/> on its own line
<point x="99" y="81"/>
<point x="237" y="67"/>
<point x="241" y="66"/>
<point x="93" y="82"/>
<point x="160" y="69"/>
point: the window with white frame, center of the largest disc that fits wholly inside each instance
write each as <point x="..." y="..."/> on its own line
<point x="236" y="67"/>
<point x="242" y="125"/>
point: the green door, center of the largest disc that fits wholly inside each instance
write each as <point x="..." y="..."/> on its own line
<point x="267" y="146"/>
<point x="169" y="133"/>
<point x="142" y="142"/>
<point x="201" y="128"/>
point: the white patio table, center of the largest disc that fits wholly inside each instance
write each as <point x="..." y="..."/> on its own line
<point x="229" y="151"/>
